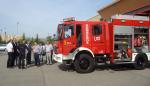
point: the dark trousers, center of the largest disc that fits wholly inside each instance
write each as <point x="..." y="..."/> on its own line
<point x="52" y="56"/>
<point x="28" y="58"/>
<point x="21" y="63"/>
<point x="10" y="61"/>
<point x="37" y="59"/>
<point x="16" y="55"/>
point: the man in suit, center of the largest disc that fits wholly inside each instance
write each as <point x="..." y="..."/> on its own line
<point x="15" y="53"/>
<point x="22" y="55"/>
<point x="29" y="49"/>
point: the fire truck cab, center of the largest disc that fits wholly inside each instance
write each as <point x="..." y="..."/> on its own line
<point x="84" y="44"/>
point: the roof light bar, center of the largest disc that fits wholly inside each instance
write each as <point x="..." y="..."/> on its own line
<point x="69" y="19"/>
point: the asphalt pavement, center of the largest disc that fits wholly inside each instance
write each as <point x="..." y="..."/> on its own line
<point x="57" y="75"/>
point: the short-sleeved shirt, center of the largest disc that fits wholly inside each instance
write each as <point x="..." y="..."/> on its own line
<point x="49" y="48"/>
<point x="36" y="49"/>
<point x="9" y="47"/>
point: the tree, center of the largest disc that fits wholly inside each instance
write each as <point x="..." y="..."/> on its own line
<point x="50" y="39"/>
<point x="37" y="38"/>
<point x="32" y="39"/>
<point x="23" y="36"/>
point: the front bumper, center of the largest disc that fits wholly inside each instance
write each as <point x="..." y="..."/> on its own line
<point x="60" y="57"/>
<point x="57" y="57"/>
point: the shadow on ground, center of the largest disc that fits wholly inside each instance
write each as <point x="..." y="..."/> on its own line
<point x="33" y="64"/>
<point x="120" y="67"/>
<point x="66" y="68"/>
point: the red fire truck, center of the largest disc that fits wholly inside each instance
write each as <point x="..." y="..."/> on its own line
<point x="84" y="44"/>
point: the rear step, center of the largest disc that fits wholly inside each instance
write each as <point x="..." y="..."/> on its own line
<point x="116" y="63"/>
<point x="123" y="60"/>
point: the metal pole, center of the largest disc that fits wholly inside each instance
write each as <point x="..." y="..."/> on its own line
<point x="1" y="31"/>
<point x="17" y="27"/>
<point x="5" y="34"/>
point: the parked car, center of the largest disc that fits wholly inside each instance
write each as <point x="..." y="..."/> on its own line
<point x="2" y="47"/>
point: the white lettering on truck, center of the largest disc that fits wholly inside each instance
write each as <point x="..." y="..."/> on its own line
<point x="87" y="34"/>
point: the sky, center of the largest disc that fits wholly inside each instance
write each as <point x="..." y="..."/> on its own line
<point x="42" y="16"/>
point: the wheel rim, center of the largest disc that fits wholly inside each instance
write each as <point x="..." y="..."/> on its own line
<point x="141" y="62"/>
<point x="84" y="63"/>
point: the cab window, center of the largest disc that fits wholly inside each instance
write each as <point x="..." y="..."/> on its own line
<point x="59" y="32"/>
<point x="96" y="29"/>
<point x="68" y="31"/>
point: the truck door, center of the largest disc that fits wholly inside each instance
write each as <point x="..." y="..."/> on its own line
<point x="60" y="38"/>
<point x="69" y="42"/>
<point x="98" y="45"/>
<point x="79" y="35"/>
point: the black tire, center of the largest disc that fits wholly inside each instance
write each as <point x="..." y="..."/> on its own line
<point x="141" y="62"/>
<point x="84" y="63"/>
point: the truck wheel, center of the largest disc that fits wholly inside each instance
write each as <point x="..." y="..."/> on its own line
<point x="141" y="62"/>
<point x="84" y="63"/>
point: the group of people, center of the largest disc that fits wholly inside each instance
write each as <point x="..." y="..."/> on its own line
<point x="20" y="53"/>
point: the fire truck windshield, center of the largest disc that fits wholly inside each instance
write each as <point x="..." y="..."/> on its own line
<point x="68" y="30"/>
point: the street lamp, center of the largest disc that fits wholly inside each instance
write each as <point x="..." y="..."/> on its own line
<point x="5" y="34"/>
<point x="1" y="30"/>
<point x="17" y="27"/>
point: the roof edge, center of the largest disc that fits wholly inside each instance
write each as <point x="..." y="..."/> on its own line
<point x="116" y="1"/>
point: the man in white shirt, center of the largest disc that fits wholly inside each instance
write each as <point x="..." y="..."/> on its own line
<point x="49" y="49"/>
<point x="36" y="51"/>
<point x="10" y="51"/>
